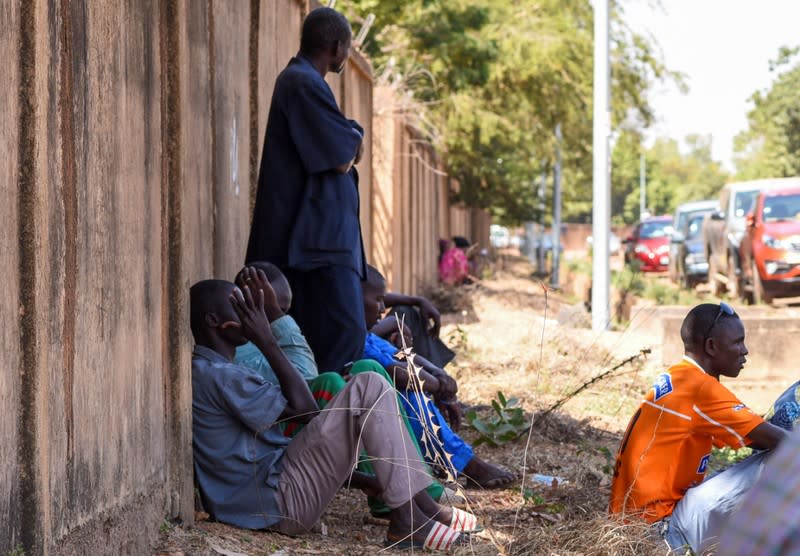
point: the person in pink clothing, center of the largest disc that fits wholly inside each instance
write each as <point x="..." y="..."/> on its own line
<point x="453" y="264"/>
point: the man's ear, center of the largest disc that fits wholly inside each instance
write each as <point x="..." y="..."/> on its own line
<point x="710" y="346"/>
<point x="212" y="320"/>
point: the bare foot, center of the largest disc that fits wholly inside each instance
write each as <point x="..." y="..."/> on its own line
<point x="482" y="474"/>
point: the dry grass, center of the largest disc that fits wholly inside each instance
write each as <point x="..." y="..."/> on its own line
<point x="507" y="341"/>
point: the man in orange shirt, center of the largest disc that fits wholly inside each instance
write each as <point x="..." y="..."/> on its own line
<point x="667" y="444"/>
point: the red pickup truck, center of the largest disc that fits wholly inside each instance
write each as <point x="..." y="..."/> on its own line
<point x="770" y="248"/>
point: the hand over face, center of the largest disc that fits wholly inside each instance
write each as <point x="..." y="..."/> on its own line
<point x="256" y="280"/>
<point x="254" y="323"/>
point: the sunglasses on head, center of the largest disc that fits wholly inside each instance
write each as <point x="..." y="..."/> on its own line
<point x="724" y="308"/>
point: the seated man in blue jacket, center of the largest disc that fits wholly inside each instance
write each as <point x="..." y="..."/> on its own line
<point x="451" y="451"/>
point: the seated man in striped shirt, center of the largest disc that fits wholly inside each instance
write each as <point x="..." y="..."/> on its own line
<point x="667" y="445"/>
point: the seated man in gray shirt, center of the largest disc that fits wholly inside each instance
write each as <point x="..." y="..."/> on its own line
<point x="249" y="474"/>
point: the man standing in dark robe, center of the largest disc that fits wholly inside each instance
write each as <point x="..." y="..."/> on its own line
<point x="306" y="213"/>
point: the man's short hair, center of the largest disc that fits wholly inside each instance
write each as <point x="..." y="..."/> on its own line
<point x="461" y="242"/>
<point x="698" y="321"/>
<point x="374" y="278"/>
<point x="321" y="28"/>
<point x="272" y="272"/>
<point x="205" y="297"/>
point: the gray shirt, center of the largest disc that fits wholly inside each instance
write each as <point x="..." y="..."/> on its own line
<point x="237" y="443"/>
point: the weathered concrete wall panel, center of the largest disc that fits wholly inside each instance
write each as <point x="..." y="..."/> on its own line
<point x="229" y="24"/>
<point x="9" y="265"/>
<point x="356" y="103"/>
<point x="99" y="205"/>
<point x="385" y="169"/>
<point x="193" y="112"/>
<point x="278" y="40"/>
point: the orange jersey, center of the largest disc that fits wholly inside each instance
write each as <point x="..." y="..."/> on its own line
<point x="668" y="442"/>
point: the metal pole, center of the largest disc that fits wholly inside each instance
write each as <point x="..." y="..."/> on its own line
<point x="642" y="188"/>
<point x="601" y="194"/>
<point x="540" y="233"/>
<point x="556" y="211"/>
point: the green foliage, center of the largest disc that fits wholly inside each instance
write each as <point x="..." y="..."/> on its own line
<point x="608" y="456"/>
<point x="673" y="176"/>
<point x="459" y="339"/>
<point x="722" y="458"/>
<point x="505" y="425"/>
<point x="628" y="280"/>
<point x="531" y="497"/>
<point x="17" y="551"/>
<point x="580" y="266"/>
<point x="608" y="466"/>
<point x="633" y="282"/>
<point x="496" y="77"/>
<point x="165" y="527"/>
<point x="770" y="147"/>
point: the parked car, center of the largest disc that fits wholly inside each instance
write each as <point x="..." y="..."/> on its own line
<point x="683" y="214"/>
<point x="724" y="229"/>
<point x="499" y="236"/>
<point x="770" y="250"/>
<point x="691" y="266"/>
<point x="648" y="246"/>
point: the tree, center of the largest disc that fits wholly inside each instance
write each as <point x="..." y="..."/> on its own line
<point x="673" y="177"/>
<point x="497" y="76"/>
<point x="770" y="146"/>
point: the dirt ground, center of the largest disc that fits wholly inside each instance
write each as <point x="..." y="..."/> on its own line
<point x="508" y="338"/>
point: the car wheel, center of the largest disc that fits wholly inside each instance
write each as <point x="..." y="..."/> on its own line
<point x="759" y="295"/>
<point x="733" y="285"/>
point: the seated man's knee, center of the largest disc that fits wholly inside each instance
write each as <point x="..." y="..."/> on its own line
<point x="371" y="381"/>
<point x="367" y="365"/>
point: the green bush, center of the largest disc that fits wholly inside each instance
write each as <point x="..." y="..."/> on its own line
<point x="506" y="424"/>
<point x="629" y="280"/>
<point x="722" y="458"/>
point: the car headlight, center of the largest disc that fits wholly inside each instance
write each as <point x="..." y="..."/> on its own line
<point x="641" y="249"/>
<point x="775" y="243"/>
<point x="662" y="249"/>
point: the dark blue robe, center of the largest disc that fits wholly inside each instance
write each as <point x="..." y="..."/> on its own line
<point x="306" y="214"/>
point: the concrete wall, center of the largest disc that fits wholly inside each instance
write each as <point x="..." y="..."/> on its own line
<point x="127" y="163"/>
<point x="10" y="379"/>
<point x="85" y="370"/>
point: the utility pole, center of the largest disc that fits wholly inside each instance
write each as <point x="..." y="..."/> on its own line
<point x="540" y="254"/>
<point x="601" y="193"/>
<point x="642" y="188"/>
<point x="556" y="211"/>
